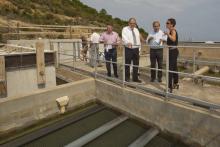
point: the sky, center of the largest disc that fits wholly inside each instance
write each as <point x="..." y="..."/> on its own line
<point x="197" y="20"/>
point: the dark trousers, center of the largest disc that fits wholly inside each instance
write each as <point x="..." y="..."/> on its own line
<point x="131" y="55"/>
<point x="111" y="55"/>
<point x="156" y="55"/>
<point x="173" y="77"/>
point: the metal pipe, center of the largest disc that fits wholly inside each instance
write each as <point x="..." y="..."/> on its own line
<point x="95" y="60"/>
<point x="58" y="60"/>
<point x="73" y="56"/>
<point x="194" y="61"/>
<point x="167" y="72"/>
<point x="123" y="66"/>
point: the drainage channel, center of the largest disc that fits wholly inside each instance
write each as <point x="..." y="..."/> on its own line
<point x="97" y="126"/>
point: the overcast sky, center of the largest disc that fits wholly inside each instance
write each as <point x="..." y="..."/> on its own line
<point x="198" y="20"/>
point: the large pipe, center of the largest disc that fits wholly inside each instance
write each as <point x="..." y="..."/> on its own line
<point x="202" y="70"/>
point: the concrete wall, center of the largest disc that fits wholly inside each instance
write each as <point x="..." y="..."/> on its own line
<point x="20" y="111"/>
<point x="24" y="81"/>
<point x="192" y="125"/>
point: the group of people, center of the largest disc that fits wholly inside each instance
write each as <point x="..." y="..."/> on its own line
<point x="156" y="39"/>
<point x="132" y="40"/>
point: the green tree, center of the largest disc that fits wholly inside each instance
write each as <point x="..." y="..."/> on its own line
<point x="103" y="12"/>
<point x="55" y="12"/>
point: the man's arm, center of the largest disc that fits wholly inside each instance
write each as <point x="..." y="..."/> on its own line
<point x="125" y="38"/>
<point x="118" y="39"/>
<point x="149" y="38"/>
<point x="102" y="39"/>
<point x="142" y="38"/>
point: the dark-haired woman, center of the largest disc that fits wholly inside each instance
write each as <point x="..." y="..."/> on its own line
<point x="172" y="42"/>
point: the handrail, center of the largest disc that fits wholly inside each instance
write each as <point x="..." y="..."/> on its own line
<point x="18" y="46"/>
<point x="146" y="45"/>
<point x="164" y="93"/>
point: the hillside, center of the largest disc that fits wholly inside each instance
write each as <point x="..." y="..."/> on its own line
<point x="57" y="12"/>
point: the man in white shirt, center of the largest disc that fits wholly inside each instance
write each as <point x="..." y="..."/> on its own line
<point x="94" y="50"/>
<point x="155" y="40"/>
<point x="131" y="40"/>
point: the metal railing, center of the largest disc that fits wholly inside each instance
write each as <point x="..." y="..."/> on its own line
<point x="74" y="57"/>
<point x="49" y="31"/>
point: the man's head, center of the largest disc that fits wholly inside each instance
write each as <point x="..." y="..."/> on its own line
<point x="109" y="29"/>
<point x="132" y="23"/>
<point x="156" y="26"/>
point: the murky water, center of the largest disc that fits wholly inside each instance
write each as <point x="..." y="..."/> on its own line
<point x="120" y="136"/>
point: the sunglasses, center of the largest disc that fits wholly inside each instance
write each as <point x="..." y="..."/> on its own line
<point x="167" y="23"/>
<point x="156" y="26"/>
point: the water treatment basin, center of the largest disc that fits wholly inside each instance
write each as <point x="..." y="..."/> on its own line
<point x="65" y="130"/>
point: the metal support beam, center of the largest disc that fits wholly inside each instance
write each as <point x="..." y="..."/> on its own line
<point x="145" y="138"/>
<point x="97" y="132"/>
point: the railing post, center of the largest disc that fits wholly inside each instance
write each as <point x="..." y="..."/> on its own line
<point x="51" y="46"/>
<point x="18" y="31"/>
<point x="95" y="59"/>
<point x="194" y="63"/>
<point x="74" y="49"/>
<point x="58" y="60"/>
<point x="123" y="65"/>
<point x="167" y="72"/>
<point x="78" y="49"/>
<point x="74" y="56"/>
<point x="70" y="32"/>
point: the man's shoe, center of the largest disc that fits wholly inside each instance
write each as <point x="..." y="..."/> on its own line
<point x="170" y="90"/>
<point x="99" y="65"/>
<point x="116" y="76"/>
<point x="127" y="80"/>
<point x="152" y="80"/>
<point x="159" y="80"/>
<point x="137" y="80"/>
<point x="176" y="86"/>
